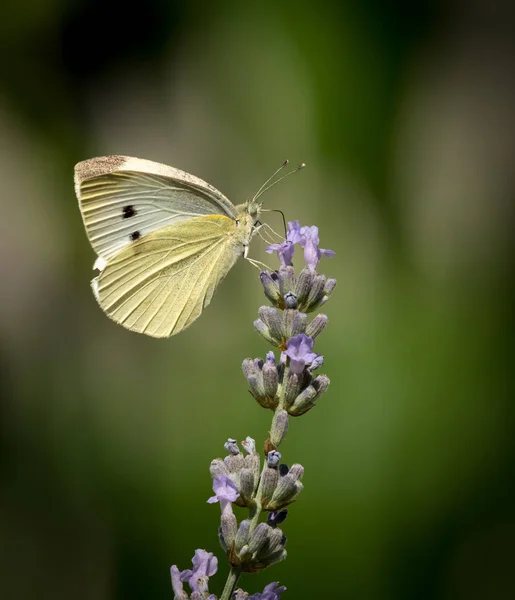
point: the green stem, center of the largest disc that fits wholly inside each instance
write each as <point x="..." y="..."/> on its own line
<point x="230" y="584"/>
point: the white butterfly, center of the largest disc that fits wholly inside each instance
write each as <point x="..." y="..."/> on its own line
<point x="165" y="239"/>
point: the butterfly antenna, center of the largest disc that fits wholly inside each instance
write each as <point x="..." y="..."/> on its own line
<point x="264" y="188"/>
<point x="259" y="192"/>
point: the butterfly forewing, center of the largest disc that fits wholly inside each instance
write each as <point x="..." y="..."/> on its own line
<point x="122" y="199"/>
<point x="160" y="284"/>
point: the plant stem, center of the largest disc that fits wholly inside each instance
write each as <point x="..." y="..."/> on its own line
<point x="230" y="584"/>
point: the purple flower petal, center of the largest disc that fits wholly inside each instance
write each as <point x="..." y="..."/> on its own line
<point x="271" y="592"/>
<point x="299" y="348"/>
<point x="284" y="252"/>
<point x="204" y="564"/>
<point x="309" y="240"/>
<point x="328" y="253"/>
<point x="225" y="490"/>
<point x="307" y="237"/>
<point x="294" y="232"/>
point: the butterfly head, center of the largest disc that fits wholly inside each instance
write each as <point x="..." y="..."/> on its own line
<point x="253" y="209"/>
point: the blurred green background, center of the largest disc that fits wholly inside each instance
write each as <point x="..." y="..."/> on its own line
<point x="405" y="116"/>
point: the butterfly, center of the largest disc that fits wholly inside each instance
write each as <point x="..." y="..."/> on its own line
<point x="165" y="240"/>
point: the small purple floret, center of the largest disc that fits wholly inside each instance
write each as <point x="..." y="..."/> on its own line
<point x="225" y="490"/>
<point x="204" y="564"/>
<point x="271" y="592"/>
<point x="294" y="232"/>
<point x="284" y="252"/>
<point x="300" y="350"/>
<point x="309" y="240"/>
<point x="285" y="249"/>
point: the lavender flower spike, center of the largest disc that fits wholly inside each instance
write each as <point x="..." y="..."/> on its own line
<point x="309" y="240"/>
<point x="271" y="592"/>
<point x="205" y="564"/>
<point x="300" y="350"/>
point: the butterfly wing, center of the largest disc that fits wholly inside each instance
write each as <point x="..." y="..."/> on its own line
<point x="123" y="199"/>
<point x="161" y="283"/>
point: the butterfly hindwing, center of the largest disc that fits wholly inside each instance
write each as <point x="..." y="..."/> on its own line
<point x="160" y="284"/>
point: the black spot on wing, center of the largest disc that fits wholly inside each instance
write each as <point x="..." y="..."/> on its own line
<point x="135" y="236"/>
<point x="128" y="211"/>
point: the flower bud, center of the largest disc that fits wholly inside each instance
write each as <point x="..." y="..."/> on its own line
<point x="292" y="388"/>
<point x="270" y="376"/>
<point x="273" y="458"/>
<point x="307" y="398"/>
<point x="294" y="385"/>
<point x="303" y="287"/>
<point x="279" y="427"/>
<point x="323" y="296"/>
<point x="296" y="471"/>
<point x="239" y="594"/>
<point x="253" y="371"/>
<point x="270" y="283"/>
<point x="317" y="363"/>
<point x="228" y="528"/>
<point x="316" y="326"/>
<point x="275" y="541"/>
<point x="290" y="300"/>
<point x="253" y="464"/>
<point x="294" y="322"/>
<point x="312" y="290"/>
<point x="328" y="290"/>
<point x="269" y="325"/>
<point x="218" y="467"/>
<point x="286" y="280"/>
<point x="269" y="479"/>
<point x="246" y="486"/>
<point x="265" y="546"/>
<point x="276" y="557"/>
<point x="316" y="293"/>
<point x="258" y="538"/>
<point x="275" y="518"/>
<point x="242" y="536"/>
<point x="249" y="445"/>
<point x="232" y="446"/>
<point x="287" y="489"/>
<point x="234" y="462"/>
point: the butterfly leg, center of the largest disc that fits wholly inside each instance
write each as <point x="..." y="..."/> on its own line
<point x="258" y="264"/>
<point x="265" y="228"/>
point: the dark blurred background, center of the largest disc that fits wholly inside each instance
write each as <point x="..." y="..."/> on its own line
<point x="405" y="114"/>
